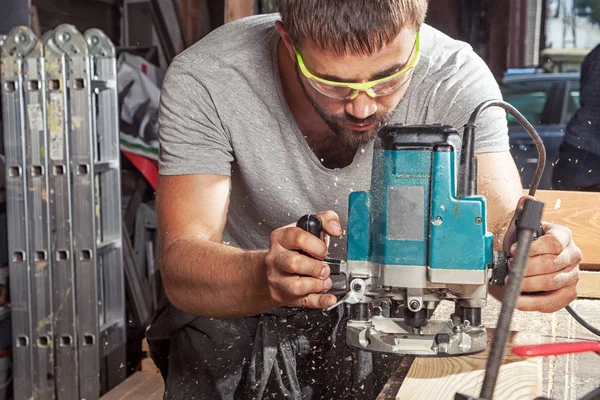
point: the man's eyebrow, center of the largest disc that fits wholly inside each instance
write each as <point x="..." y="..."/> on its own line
<point x="387" y="72"/>
<point x="382" y="74"/>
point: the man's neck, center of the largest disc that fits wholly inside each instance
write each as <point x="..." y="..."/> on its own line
<point x="326" y="145"/>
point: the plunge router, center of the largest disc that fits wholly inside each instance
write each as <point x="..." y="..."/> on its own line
<point x="416" y="238"/>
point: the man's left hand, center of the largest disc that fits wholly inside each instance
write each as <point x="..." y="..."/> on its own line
<point x="552" y="271"/>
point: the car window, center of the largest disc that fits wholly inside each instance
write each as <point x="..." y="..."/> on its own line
<point x="572" y="100"/>
<point x="527" y="97"/>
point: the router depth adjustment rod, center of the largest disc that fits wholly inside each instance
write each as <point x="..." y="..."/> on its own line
<point x="528" y="226"/>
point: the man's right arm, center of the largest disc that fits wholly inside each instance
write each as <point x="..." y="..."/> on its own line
<point x="205" y="277"/>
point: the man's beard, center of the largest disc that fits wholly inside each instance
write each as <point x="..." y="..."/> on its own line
<point x="336" y="122"/>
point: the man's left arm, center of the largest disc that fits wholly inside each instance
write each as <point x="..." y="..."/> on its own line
<point x="499" y="182"/>
<point x="553" y="267"/>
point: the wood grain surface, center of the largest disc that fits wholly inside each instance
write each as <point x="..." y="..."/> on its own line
<point x="579" y="211"/>
<point x="440" y="378"/>
<point x="139" y="386"/>
<point x="589" y="285"/>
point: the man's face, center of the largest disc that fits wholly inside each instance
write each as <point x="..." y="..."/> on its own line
<point x="357" y="120"/>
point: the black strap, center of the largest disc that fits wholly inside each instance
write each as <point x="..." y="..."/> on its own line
<point x="272" y="354"/>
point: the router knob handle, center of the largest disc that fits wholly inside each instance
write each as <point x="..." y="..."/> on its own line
<point x="310" y="223"/>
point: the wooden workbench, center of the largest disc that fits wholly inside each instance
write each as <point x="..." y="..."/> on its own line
<point x="139" y="386"/>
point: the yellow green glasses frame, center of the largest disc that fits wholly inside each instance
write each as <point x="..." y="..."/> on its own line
<point x="378" y="87"/>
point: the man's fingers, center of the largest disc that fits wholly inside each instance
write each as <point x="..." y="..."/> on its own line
<point x="316" y="301"/>
<point x="551" y="281"/>
<point x="298" y="286"/>
<point x="548" y="302"/>
<point x="294" y="263"/>
<point x="293" y="238"/>
<point x="330" y="223"/>
<point x="555" y="239"/>
<point x="545" y="264"/>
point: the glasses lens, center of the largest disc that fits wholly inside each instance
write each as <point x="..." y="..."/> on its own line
<point x="392" y="85"/>
<point x="338" y="92"/>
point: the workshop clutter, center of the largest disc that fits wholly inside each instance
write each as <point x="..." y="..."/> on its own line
<point x="139" y="84"/>
<point x="63" y="199"/>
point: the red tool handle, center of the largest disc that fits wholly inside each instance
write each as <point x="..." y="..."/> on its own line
<point x="553" y="349"/>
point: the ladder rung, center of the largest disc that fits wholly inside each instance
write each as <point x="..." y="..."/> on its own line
<point x="110" y="327"/>
<point x="99" y="85"/>
<point x="104" y="248"/>
<point x="104" y="166"/>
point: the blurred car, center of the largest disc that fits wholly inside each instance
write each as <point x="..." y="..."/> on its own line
<point x="547" y="101"/>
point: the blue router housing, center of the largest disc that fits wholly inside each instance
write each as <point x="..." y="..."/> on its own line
<point x="412" y="215"/>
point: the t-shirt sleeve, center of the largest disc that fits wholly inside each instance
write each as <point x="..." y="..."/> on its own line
<point x="471" y="85"/>
<point x="192" y="137"/>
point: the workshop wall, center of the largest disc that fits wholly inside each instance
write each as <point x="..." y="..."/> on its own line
<point x="84" y="14"/>
<point x="481" y="23"/>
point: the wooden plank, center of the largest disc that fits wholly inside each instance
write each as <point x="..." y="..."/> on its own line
<point x="589" y="285"/>
<point x="579" y="211"/>
<point x="129" y="385"/>
<point x="154" y="388"/>
<point x="149" y="366"/>
<point x="392" y="386"/>
<point x="200" y="17"/>
<point x="439" y="378"/>
<point x="236" y="9"/>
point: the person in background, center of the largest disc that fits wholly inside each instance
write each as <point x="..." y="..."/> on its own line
<point x="578" y="163"/>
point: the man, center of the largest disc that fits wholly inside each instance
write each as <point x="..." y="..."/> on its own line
<point x="578" y="165"/>
<point x="260" y="123"/>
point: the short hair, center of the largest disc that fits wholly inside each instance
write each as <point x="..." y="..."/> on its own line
<point x="357" y="26"/>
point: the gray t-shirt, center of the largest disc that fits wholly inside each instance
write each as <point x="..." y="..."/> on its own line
<point x="223" y="112"/>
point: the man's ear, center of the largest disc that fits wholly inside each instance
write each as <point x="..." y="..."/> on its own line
<point x="286" y="39"/>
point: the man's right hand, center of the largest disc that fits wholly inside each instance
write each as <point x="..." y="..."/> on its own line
<point x="297" y="280"/>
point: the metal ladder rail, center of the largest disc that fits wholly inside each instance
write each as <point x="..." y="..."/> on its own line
<point x="105" y="133"/>
<point x="66" y="372"/>
<point x="18" y="43"/>
<point x="82" y="158"/>
<point x="39" y="227"/>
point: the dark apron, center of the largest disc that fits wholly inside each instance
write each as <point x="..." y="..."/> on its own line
<point x="284" y="354"/>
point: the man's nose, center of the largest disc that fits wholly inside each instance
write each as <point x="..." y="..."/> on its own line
<point x="362" y="106"/>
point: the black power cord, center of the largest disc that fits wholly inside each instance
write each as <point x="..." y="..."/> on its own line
<point x="582" y="321"/>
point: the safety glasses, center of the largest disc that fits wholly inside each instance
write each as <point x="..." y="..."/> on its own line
<point x="377" y="87"/>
